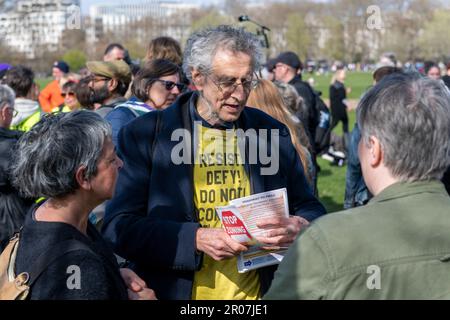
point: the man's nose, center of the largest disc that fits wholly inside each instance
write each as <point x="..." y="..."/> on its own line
<point x="239" y="93"/>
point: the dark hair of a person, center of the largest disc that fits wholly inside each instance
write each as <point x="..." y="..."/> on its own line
<point x="428" y="65"/>
<point x="121" y="88"/>
<point x="20" y="79"/>
<point x="146" y="76"/>
<point x="69" y="86"/>
<point x="112" y="46"/>
<point x="380" y="73"/>
<point x="83" y="93"/>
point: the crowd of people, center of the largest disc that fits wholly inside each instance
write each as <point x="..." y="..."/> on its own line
<point x="107" y="170"/>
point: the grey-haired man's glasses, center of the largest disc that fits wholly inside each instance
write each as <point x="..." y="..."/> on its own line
<point x="229" y="86"/>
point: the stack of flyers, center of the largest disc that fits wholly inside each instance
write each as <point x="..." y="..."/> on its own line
<point x="240" y="218"/>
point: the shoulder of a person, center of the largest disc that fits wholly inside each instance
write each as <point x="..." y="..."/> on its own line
<point x="83" y="265"/>
<point x="258" y="119"/>
<point x="141" y="128"/>
<point x="338" y="85"/>
<point x="86" y="262"/>
<point x="82" y="255"/>
<point x="10" y="135"/>
<point x="120" y="111"/>
<point x="305" y="87"/>
<point x="329" y="228"/>
<point x="147" y="121"/>
<point x="52" y="84"/>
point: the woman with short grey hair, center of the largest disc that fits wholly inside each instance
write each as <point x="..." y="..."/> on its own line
<point x="69" y="159"/>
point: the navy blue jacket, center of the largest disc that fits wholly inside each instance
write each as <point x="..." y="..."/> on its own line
<point x="152" y="222"/>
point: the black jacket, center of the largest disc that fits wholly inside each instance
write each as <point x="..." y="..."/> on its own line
<point x="151" y="220"/>
<point x="337" y="97"/>
<point x="446" y="180"/>
<point x="12" y="207"/>
<point x="99" y="273"/>
<point x="306" y="92"/>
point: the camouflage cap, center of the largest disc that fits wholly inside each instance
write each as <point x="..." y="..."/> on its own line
<point x="111" y="69"/>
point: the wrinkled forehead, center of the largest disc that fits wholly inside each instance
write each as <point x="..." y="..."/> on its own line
<point x="233" y="64"/>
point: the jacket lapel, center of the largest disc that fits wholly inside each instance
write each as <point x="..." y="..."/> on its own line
<point x="257" y="181"/>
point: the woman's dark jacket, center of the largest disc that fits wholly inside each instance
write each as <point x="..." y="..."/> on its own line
<point x="98" y="269"/>
<point x="12" y="207"/>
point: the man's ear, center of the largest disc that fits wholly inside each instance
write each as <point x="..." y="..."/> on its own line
<point x="198" y="79"/>
<point x="376" y="152"/>
<point x="82" y="181"/>
<point x="112" y="84"/>
<point x="4" y="112"/>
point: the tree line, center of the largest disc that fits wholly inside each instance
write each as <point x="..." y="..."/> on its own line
<point x="335" y="30"/>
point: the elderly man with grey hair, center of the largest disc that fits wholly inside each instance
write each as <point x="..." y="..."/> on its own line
<point x="12" y="206"/>
<point x="183" y="162"/>
<point x="398" y="245"/>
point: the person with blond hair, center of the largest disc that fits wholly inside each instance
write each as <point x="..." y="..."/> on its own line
<point x="266" y="97"/>
<point x="164" y="48"/>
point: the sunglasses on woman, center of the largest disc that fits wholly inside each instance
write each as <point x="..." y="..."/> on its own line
<point x="70" y="94"/>
<point x="169" y="85"/>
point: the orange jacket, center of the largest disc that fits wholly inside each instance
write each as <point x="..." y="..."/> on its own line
<point x="50" y="97"/>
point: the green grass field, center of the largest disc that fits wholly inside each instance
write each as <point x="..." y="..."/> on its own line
<point x="42" y="82"/>
<point x="357" y="81"/>
<point x="331" y="181"/>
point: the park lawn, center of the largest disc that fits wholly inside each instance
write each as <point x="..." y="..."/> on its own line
<point x="42" y="82"/>
<point x="359" y="82"/>
<point x="331" y="185"/>
<point x="331" y="180"/>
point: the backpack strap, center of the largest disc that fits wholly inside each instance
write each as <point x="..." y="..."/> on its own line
<point x="8" y="257"/>
<point x="46" y="258"/>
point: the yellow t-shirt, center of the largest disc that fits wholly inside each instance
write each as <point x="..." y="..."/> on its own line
<point x="219" y="177"/>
